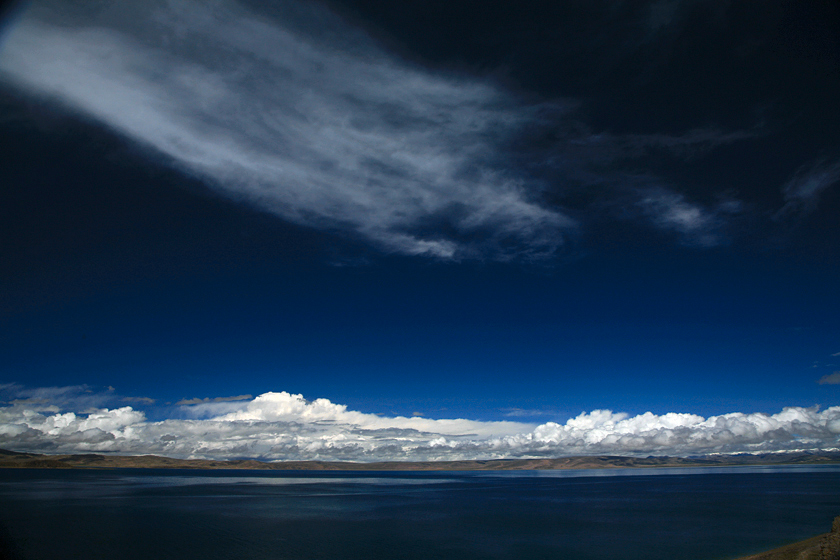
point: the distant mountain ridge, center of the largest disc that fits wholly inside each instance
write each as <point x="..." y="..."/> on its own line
<point x="14" y="459"/>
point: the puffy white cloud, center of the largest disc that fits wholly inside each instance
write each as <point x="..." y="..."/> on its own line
<point x="278" y="426"/>
<point x="604" y="431"/>
<point x="284" y="407"/>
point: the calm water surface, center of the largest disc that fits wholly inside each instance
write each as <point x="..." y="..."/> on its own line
<point x="644" y="514"/>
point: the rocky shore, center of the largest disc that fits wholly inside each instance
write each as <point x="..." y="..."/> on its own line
<point x="822" y="547"/>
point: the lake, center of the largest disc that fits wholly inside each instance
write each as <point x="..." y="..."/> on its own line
<point x="627" y="514"/>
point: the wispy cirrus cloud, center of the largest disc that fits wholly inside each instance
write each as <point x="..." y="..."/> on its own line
<point x="206" y="400"/>
<point x="803" y="190"/>
<point x="615" y="174"/>
<point x="670" y="211"/>
<point x="278" y="426"/>
<point x="830" y="379"/>
<point x="74" y="397"/>
<point x="290" y="108"/>
<point x="313" y="123"/>
<point x="525" y="412"/>
<point x="307" y="118"/>
<point x="139" y="400"/>
<point x="210" y="407"/>
<point x="688" y="146"/>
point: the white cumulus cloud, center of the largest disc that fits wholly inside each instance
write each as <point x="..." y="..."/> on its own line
<point x="283" y="426"/>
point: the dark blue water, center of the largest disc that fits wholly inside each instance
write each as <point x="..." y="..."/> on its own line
<point x="692" y="514"/>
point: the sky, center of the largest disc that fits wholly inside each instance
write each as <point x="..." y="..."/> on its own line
<point x="367" y="230"/>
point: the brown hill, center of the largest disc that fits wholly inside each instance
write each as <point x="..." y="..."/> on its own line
<point x="821" y="547"/>
<point x="12" y="459"/>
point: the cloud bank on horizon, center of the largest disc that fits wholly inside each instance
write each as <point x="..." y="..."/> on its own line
<point x="283" y="426"/>
<point x="303" y="116"/>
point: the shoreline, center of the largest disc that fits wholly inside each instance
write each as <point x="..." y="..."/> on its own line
<point x="13" y="459"/>
<point x="825" y="546"/>
<point x="822" y="547"/>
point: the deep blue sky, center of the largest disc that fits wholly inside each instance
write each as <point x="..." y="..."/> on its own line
<point x="692" y="147"/>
